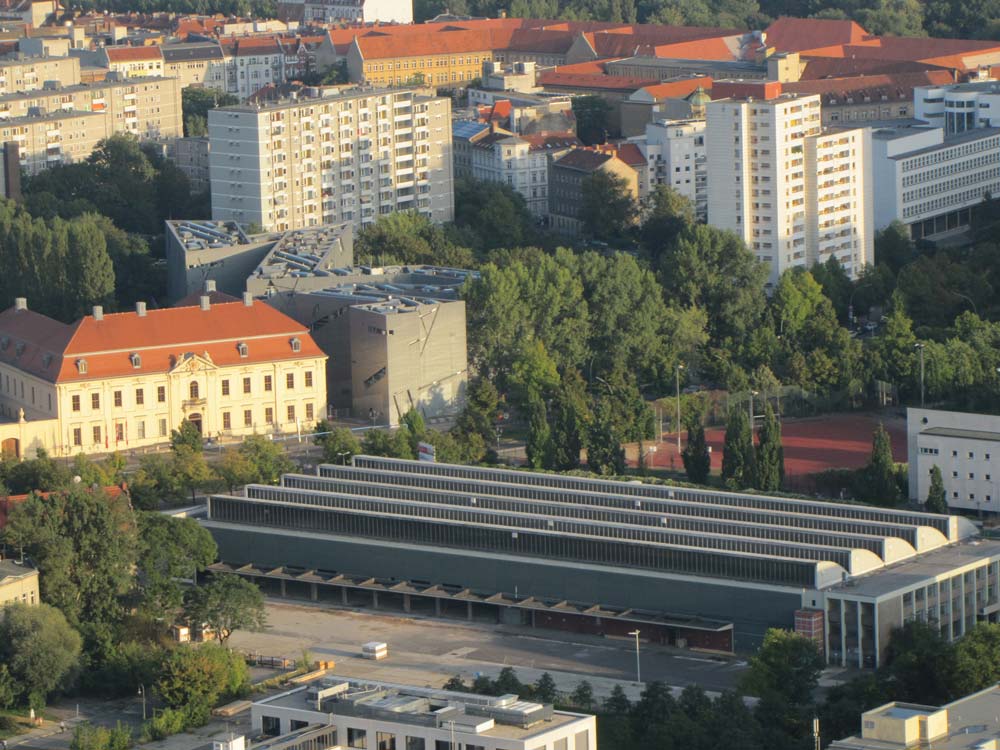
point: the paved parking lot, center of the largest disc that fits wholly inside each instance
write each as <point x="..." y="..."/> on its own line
<point x="426" y="651"/>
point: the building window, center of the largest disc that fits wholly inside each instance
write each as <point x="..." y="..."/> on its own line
<point x="77" y="436"/>
<point x="136" y="361"/>
<point x="291" y="412"/>
<point x="95" y="400"/>
<point x="385" y="741"/>
<point x="246" y="385"/>
<point x="248" y="417"/>
<point x="97" y="434"/>
<point x="243" y="349"/>
<point x="309" y="411"/>
<point x="414" y="743"/>
<point x="225" y="387"/>
<point x="296" y="345"/>
<point x="163" y="428"/>
<point x="268" y="383"/>
<point x="357" y="738"/>
<point x="971" y="454"/>
<point x="290" y="381"/>
<point x="309" y="379"/>
<point x="119" y="432"/>
<point x="268" y="415"/>
<point x="118" y="399"/>
<point x="81" y="366"/>
<point x="140" y="430"/>
<point x="140" y="397"/>
<point x="227" y="421"/>
<point x="161" y="394"/>
<point x="75" y="401"/>
<point x="193" y="389"/>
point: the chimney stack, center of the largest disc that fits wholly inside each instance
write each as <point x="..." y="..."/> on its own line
<point x="98" y="312"/>
<point x="209" y="286"/>
<point x="20" y="303"/>
<point x="205" y="302"/>
<point x="248" y="299"/>
<point x="140" y="309"/>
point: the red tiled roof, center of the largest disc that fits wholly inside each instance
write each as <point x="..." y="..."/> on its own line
<point x="702" y="49"/>
<point x="838" y="67"/>
<point x="630" y="154"/>
<point x="898" y="87"/>
<point x="258" y="46"/>
<point x="678" y="89"/>
<point x="548" y="141"/>
<point x="590" y="75"/>
<point x="161" y="337"/>
<point x="797" y="34"/>
<point x="133" y="54"/>
<point x="443" y="43"/>
<point x="583" y="159"/>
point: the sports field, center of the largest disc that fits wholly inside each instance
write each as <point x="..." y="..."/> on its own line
<point x="838" y="441"/>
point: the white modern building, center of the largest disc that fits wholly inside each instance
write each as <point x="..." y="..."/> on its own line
<point x="959" y="107"/>
<point x="344" y="158"/>
<point x="678" y="158"/>
<point x="930" y="180"/>
<point x="795" y="192"/>
<point x="966" y="447"/>
<point x="384" y="716"/>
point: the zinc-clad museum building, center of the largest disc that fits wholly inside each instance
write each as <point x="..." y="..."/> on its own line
<point x="689" y="567"/>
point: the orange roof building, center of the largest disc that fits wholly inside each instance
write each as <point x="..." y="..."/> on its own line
<point x="125" y="380"/>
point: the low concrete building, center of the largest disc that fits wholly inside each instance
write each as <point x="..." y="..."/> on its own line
<point x="18" y="583"/>
<point x="969" y="722"/>
<point x="383" y="715"/>
<point x="191" y="157"/>
<point x="396" y="338"/>
<point x="966" y="447"/>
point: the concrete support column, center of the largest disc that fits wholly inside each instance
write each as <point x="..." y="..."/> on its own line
<point x="313" y="592"/>
<point x="282" y="588"/>
<point x="374" y="600"/>
<point x="861" y="637"/>
<point x="406" y="602"/>
<point x="437" y="607"/>
<point x="468" y="610"/>
<point x="532" y="618"/>
<point x="843" y="633"/>
<point x="343" y="595"/>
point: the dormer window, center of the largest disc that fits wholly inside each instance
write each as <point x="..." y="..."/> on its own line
<point x="46" y="361"/>
<point x="81" y="366"/>
<point x="136" y="361"/>
<point x="19" y="349"/>
<point x="4" y="343"/>
<point x="243" y="349"/>
<point x="296" y="344"/>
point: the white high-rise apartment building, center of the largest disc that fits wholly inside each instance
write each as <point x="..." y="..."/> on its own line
<point x="795" y="192"/>
<point x="344" y="158"/>
<point x="676" y="153"/>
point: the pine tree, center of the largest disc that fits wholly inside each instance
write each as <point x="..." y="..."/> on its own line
<point x="769" y="461"/>
<point x="937" y="501"/>
<point x="570" y="415"/>
<point x="737" y="452"/>
<point x="880" y="485"/>
<point x="697" y="460"/>
<point x="605" y="454"/>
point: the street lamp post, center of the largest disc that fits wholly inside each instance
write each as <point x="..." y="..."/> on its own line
<point x="342" y="455"/>
<point x="752" y="394"/>
<point x="142" y="692"/>
<point x="920" y="347"/>
<point x="638" y="672"/>
<point x="677" y="381"/>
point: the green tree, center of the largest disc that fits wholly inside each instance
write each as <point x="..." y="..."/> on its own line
<point x="545" y="689"/>
<point x="738" y="450"/>
<point x="507" y="682"/>
<point x="9" y="689"/>
<point x="195" y="103"/>
<point x="769" y="458"/>
<point x="85" y="546"/>
<point x="937" y="501"/>
<point x="384" y="443"/>
<point x="481" y="410"/>
<point x="569" y="421"/>
<point x="538" y="447"/>
<point x="187" y="435"/>
<point x="226" y="603"/>
<point x="605" y="454"/>
<point x="920" y="665"/>
<point x="170" y="549"/>
<point x="339" y="444"/>
<point x="697" y="460"/>
<point x="89" y="268"/>
<point x="583" y="696"/>
<point x="235" y="469"/>
<point x="495" y="214"/>
<point x="408" y="237"/>
<point x="190" y="469"/>
<point x="195" y="679"/>
<point x="607" y="208"/>
<point x="154" y="482"/>
<point x="413" y="428"/>
<point x="40" y="649"/>
<point x="87" y="736"/>
<point x="880" y="485"/>
<point x="665" y="214"/>
<point x="592" y="114"/>
<point x="977" y="657"/>
<point x="617" y="702"/>
<point x="269" y="459"/>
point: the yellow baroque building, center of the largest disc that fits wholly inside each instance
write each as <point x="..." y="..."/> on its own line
<point x="124" y="381"/>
